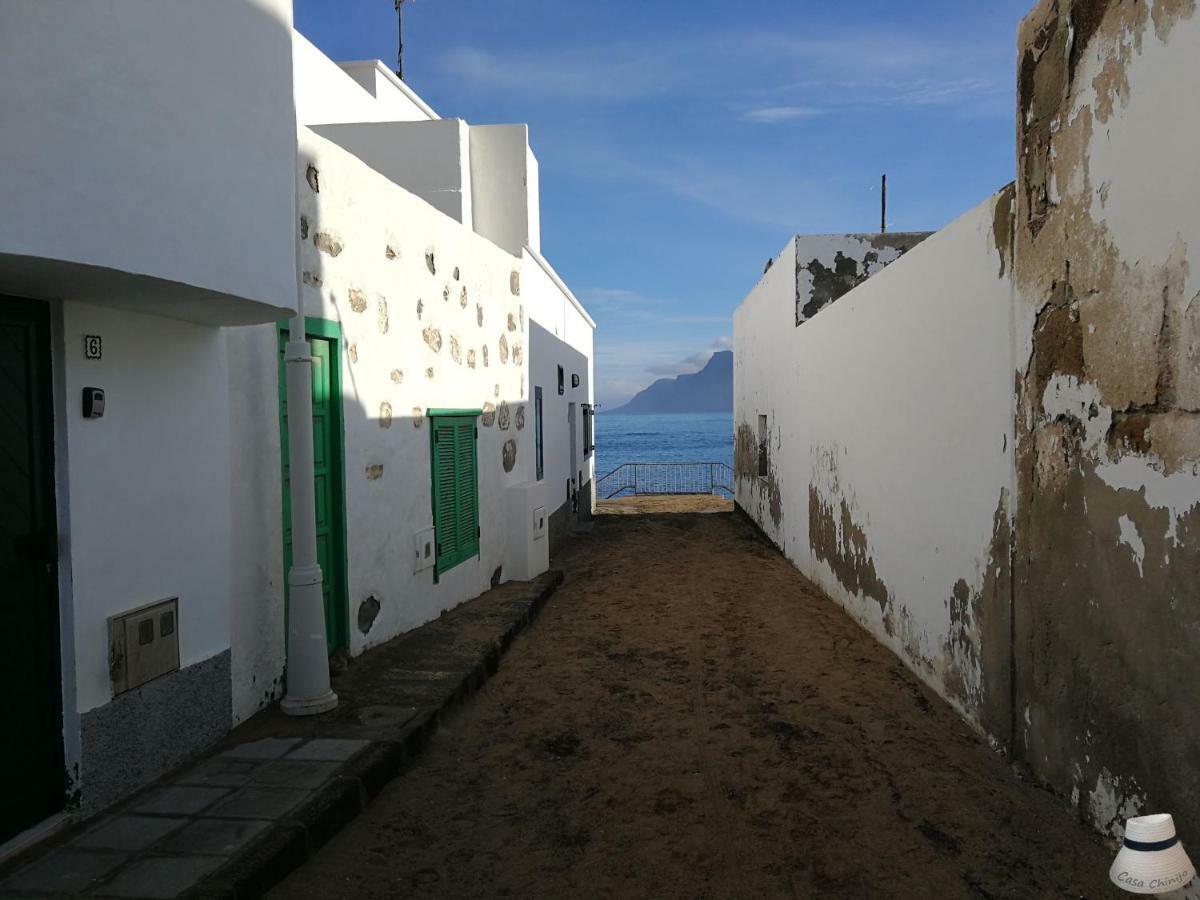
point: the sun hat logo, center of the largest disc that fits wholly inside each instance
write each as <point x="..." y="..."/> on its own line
<point x="1151" y="859"/>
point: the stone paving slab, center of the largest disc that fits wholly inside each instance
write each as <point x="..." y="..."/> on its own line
<point x="236" y="822"/>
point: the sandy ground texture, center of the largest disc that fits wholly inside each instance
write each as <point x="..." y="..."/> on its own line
<point x="689" y="717"/>
<point x="640" y="506"/>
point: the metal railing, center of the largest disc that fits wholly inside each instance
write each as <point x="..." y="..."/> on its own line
<point x="634" y="479"/>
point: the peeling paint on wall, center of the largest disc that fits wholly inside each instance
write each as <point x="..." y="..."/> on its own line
<point x="830" y="266"/>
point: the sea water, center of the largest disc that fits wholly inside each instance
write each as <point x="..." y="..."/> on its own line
<point x="672" y="437"/>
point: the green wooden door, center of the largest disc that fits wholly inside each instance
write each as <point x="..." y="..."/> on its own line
<point x="455" y="488"/>
<point x="31" y="743"/>
<point x="329" y="474"/>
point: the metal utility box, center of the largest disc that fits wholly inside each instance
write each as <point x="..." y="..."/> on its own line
<point x="143" y="644"/>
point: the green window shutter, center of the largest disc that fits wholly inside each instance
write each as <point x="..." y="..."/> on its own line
<point x="455" y="490"/>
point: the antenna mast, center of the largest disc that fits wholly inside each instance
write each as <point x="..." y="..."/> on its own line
<point x="883" y="202"/>
<point x="400" y="39"/>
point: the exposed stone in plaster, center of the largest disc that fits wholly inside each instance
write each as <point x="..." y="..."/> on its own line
<point x="327" y="243"/>
<point x="429" y="373"/>
<point x="518" y="353"/>
<point x="368" y="611"/>
<point x="497" y="393"/>
<point x="484" y="350"/>
<point x="433" y="338"/>
<point x="385" y="415"/>
<point x="352" y="352"/>
<point x="479" y="314"/>
<point x="456" y="273"/>
<point x="503" y="349"/>
<point x="446" y="294"/>
<point x="519" y="418"/>
<point x="304" y="228"/>
<point x="420" y="309"/>
<point x="430" y="262"/>
<point x="418" y="416"/>
<point x="397" y="376"/>
<point x="374" y="472"/>
<point x="313" y="178"/>
<point x="389" y="252"/>
<point x="1002" y="226"/>
<point x="488" y="417"/>
<point x="503" y="419"/>
<point x="455" y="349"/>
<point x="512" y="322"/>
<point x="462" y="297"/>
<point x="514" y="283"/>
<point x="381" y="315"/>
<point x="508" y="455"/>
<point x="358" y="300"/>
<point x="310" y="279"/>
<point x="834" y="537"/>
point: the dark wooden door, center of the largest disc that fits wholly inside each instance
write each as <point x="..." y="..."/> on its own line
<point x="31" y="743"/>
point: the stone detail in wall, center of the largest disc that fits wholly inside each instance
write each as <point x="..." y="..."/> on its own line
<point x="456" y="273"/>
<point x="358" y="300"/>
<point x="304" y="228"/>
<point x="429" y="373"/>
<point x="514" y="283"/>
<point x="418" y="416"/>
<point x="508" y="455"/>
<point x="327" y="243"/>
<point x="310" y="279"/>
<point x="485" y="356"/>
<point x="374" y="472"/>
<point x="479" y="314"/>
<point x="503" y="419"/>
<point x="462" y="297"/>
<point x="385" y="415"/>
<point x="446" y="294"/>
<point x="497" y="390"/>
<point x="368" y="611"/>
<point x="381" y="315"/>
<point x="512" y="322"/>
<point x="313" y="178"/>
<point x="471" y="358"/>
<point x="352" y="352"/>
<point x="430" y="263"/>
<point x="520" y="417"/>
<point x="433" y="337"/>
<point x="488" y="416"/>
<point x="390" y="252"/>
<point x="420" y="309"/>
<point x="455" y="350"/>
<point x="397" y="376"/>
<point x="518" y="353"/>
<point x="503" y="349"/>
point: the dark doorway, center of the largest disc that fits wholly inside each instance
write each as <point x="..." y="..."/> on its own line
<point x="31" y="740"/>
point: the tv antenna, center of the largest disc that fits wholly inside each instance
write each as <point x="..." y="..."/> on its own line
<point x="400" y="39"/>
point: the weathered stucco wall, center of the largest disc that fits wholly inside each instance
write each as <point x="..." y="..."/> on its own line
<point x="828" y="266"/>
<point x="889" y="464"/>
<point x="1108" y="423"/>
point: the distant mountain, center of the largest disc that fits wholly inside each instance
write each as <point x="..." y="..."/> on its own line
<point x="709" y="390"/>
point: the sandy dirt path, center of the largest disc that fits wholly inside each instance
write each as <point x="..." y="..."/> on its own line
<point x="689" y="717"/>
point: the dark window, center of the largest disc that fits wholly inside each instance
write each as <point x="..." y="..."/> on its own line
<point x="455" y="490"/>
<point x="537" y="431"/>
<point x="560" y="380"/>
<point x="763" y="460"/>
<point x="589" y="430"/>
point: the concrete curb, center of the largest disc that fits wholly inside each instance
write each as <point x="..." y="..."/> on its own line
<point x="284" y="848"/>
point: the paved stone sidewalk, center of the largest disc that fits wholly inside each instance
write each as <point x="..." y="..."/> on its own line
<point x="236" y="822"/>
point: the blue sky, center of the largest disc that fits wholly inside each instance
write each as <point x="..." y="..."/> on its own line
<point x="682" y="142"/>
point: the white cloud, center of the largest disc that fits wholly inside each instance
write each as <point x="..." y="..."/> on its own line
<point x="774" y="115"/>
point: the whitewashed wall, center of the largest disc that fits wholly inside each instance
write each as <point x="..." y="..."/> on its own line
<point x="124" y="151"/>
<point x="402" y="279"/>
<point x="148" y="483"/>
<point x="328" y="93"/>
<point x="504" y="180"/>
<point x="561" y="333"/>
<point x="890" y="420"/>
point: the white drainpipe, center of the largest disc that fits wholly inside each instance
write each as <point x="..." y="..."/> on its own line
<point x="308" y="690"/>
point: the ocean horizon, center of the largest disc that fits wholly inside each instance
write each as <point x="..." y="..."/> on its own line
<point x="662" y="437"/>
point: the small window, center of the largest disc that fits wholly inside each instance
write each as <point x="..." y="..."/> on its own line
<point x="537" y="432"/>
<point x="561" y="389"/>
<point x="455" y="489"/>
<point x="763" y="445"/>
<point x="589" y="429"/>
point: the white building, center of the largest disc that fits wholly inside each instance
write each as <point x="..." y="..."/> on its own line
<point x="163" y="213"/>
